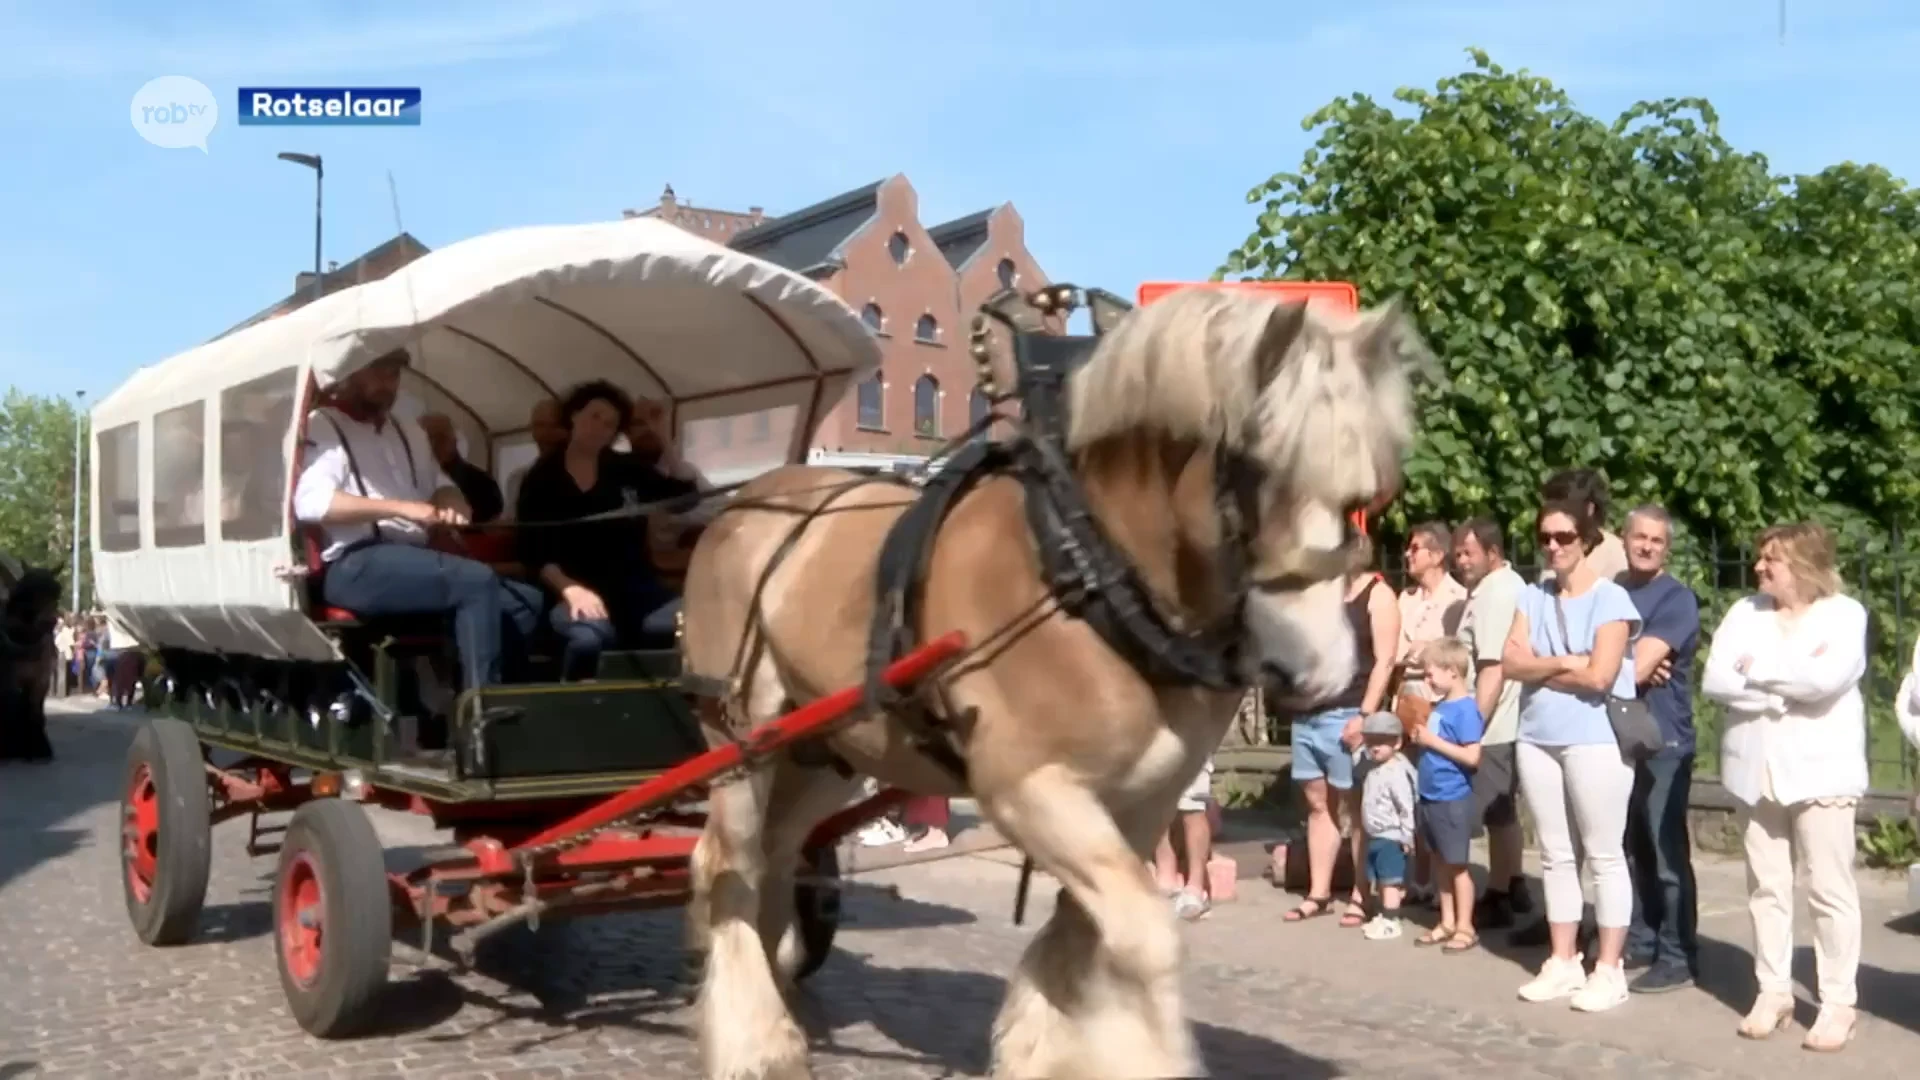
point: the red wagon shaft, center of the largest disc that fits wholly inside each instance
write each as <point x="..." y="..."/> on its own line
<point x="804" y="722"/>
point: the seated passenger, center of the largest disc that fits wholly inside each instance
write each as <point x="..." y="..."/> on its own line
<point x="543" y="423"/>
<point x="370" y="480"/>
<point x="600" y="570"/>
<point x="475" y="485"/>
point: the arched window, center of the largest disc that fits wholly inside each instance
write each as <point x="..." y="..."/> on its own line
<point x="875" y="319"/>
<point x="1008" y="273"/>
<point x="977" y="405"/>
<point x="899" y="247"/>
<point x="927" y="329"/>
<point x="926" y="406"/>
<point x="871" y="404"/>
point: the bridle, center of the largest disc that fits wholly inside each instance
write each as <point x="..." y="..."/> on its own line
<point x="1085" y="569"/>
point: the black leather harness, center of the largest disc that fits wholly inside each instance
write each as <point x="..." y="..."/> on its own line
<point x="1084" y="570"/>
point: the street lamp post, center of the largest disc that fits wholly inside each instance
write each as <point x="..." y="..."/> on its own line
<point x="79" y="428"/>
<point x="312" y="161"/>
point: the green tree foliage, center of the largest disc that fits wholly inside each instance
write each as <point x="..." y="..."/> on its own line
<point x="36" y="484"/>
<point x="1636" y="296"/>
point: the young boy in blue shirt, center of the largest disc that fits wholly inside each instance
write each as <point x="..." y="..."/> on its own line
<point x="1450" y="751"/>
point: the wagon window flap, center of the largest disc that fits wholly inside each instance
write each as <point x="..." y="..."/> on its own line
<point x="118" y="496"/>
<point x="254" y="419"/>
<point x="179" y="476"/>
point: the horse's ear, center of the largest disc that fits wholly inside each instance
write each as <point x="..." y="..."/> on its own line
<point x="1276" y="340"/>
<point x="1390" y="338"/>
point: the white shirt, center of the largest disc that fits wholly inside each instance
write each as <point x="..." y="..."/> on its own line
<point x="395" y="462"/>
<point x="1907" y="703"/>
<point x="1796" y="726"/>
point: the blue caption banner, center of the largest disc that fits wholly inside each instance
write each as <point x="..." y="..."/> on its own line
<point x="351" y="106"/>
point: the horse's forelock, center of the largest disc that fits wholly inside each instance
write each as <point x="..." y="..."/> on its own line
<point x="1337" y="420"/>
<point x="1183" y="368"/>
<point x="1334" y="420"/>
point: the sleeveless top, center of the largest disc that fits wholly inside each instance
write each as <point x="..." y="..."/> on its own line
<point x="1362" y="623"/>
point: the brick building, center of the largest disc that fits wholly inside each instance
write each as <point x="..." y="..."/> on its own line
<point x="917" y="286"/>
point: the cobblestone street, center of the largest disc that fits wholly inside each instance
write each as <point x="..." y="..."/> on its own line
<point x="911" y="992"/>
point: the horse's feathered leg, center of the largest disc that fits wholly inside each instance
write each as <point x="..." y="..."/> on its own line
<point x="802" y="797"/>
<point x="1097" y="994"/>
<point x="746" y="1032"/>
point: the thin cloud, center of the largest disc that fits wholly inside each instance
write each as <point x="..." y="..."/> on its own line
<point x="449" y="35"/>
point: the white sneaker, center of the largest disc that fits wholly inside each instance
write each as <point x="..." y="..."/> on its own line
<point x="1191" y="906"/>
<point x="1605" y="989"/>
<point x="1381" y="928"/>
<point x="1557" y="979"/>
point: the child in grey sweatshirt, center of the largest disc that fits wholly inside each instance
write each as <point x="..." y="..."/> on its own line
<point x="1387" y="801"/>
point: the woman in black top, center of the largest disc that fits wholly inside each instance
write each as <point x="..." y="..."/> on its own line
<point x="600" y="571"/>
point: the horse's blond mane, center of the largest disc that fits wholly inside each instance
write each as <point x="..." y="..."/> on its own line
<point x="1336" y="418"/>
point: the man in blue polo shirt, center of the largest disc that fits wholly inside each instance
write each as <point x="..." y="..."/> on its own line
<point x="1659" y="850"/>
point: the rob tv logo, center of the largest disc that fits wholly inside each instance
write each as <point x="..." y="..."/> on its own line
<point x="175" y="112"/>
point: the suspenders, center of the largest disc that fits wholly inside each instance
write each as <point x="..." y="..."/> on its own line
<point x="353" y="464"/>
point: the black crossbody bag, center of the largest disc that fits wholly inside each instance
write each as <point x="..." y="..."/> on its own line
<point x="1634" y="727"/>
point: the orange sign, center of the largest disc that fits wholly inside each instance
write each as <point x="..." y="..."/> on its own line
<point x="1339" y="294"/>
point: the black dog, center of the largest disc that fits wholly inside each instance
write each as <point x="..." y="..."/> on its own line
<point x="27" y="657"/>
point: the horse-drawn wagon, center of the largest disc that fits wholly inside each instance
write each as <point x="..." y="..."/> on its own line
<point x="1060" y="620"/>
<point x="563" y="798"/>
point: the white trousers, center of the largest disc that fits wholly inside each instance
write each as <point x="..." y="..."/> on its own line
<point x="1584" y="788"/>
<point x="1820" y="838"/>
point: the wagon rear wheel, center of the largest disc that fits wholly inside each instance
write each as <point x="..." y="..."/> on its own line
<point x="332" y="918"/>
<point x="816" y="910"/>
<point x="166" y="842"/>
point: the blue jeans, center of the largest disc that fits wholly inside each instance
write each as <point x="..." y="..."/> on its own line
<point x="642" y="609"/>
<point x="1660" y="859"/>
<point x="401" y="579"/>
<point x="1317" y="750"/>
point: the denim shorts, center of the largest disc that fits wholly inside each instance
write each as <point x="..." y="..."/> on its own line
<point x="1386" y="861"/>
<point x="1318" y="752"/>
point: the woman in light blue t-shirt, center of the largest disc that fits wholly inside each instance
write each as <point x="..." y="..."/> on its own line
<point x="1568" y="650"/>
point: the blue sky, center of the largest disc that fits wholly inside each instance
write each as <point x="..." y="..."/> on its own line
<point x="1127" y="133"/>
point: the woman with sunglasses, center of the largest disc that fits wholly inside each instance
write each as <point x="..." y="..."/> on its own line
<point x="1567" y="650"/>
<point x="1787" y="664"/>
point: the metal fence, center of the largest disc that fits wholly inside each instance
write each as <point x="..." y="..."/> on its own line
<point x="1879" y="572"/>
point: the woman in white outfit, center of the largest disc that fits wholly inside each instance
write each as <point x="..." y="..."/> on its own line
<point x="1787" y="665"/>
<point x="1907" y="704"/>
<point x="1567" y="650"/>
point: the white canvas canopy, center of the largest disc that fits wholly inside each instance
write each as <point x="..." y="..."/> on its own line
<point x="493" y="321"/>
<point x="491" y="325"/>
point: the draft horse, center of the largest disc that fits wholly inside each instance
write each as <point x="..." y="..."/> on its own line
<point x="1169" y="525"/>
<point x="28" y="618"/>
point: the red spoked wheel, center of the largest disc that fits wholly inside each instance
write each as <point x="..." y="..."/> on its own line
<point x="333" y="919"/>
<point x="140" y="832"/>
<point x="300" y="917"/>
<point x="165" y="832"/>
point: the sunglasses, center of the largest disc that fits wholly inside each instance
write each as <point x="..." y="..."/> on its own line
<point x="1558" y="539"/>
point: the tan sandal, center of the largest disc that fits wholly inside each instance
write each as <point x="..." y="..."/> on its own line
<point x="1832" y="1030"/>
<point x="1437" y="935"/>
<point x="1769" y="1014"/>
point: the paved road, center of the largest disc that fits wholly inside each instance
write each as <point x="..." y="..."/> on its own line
<point x="911" y="994"/>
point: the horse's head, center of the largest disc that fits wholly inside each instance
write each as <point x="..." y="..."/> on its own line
<point x="1278" y="422"/>
<point x="33" y="604"/>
